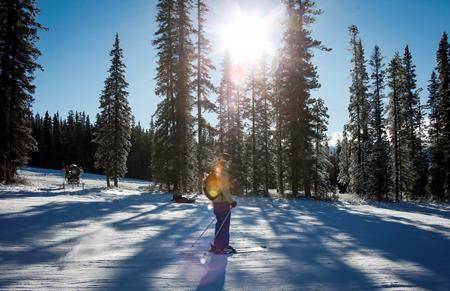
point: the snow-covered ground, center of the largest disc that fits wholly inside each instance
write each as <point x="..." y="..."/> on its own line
<point x="127" y="238"/>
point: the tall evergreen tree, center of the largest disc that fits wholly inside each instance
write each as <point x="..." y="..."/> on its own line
<point x="296" y="53"/>
<point x="259" y="115"/>
<point x="436" y="172"/>
<point x="413" y="124"/>
<point x="114" y="124"/>
<point x="174" y="122"/>
<point x="359" y="109"/>
<point x="18" y="55"/>
<point x="230" y="126"/>
<point x="183" y="70"/>
<point x="203" y="87"/>
<point x="440" y="124"/>
<point x="402" y="168"/>
<point x="378" y="160"/>
<point x="253" y="140"/>
<point x="264" y="128"/>
<point x="165" y="41"/>
<point x="280" y="140"/>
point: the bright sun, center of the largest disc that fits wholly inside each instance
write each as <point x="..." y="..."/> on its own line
<point x="246" y="37"/>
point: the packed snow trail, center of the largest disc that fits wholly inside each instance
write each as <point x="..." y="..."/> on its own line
<point x="125" y="239"/>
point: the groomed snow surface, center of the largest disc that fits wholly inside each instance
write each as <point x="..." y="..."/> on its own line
<point x="133" y="239"/>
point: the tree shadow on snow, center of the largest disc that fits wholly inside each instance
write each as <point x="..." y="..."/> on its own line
<point x="163" y="256"/>
<point x="319" y="253"/>
<point x="40" y="222"/>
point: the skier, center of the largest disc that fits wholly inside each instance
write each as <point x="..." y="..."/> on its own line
<point x="222" y="205"/>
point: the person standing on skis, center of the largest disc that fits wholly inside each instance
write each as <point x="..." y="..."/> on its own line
<point x="222" y="205"/>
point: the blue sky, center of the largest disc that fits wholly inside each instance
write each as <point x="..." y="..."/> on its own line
<point x="81" y="32"/>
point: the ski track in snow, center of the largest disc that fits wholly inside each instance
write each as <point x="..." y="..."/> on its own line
<point x="129" y="239"/>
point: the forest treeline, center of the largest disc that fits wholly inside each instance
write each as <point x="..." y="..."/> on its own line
<point x="69" y="140"/>
<point x="400" y="148"/>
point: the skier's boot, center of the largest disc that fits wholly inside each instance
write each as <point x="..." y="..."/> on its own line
<point x="229" y="250"/>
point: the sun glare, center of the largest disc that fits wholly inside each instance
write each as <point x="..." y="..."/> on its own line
<point x="246" y="37"/>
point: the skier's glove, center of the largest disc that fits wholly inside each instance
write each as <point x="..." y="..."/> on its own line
<point x="233" y="204"/>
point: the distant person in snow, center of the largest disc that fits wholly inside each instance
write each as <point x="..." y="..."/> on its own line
<point x="217" y="188"/>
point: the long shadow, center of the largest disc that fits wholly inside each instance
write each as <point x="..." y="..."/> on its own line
<point x="34" y="223"/>
<point x="36" y="254"/>
<point x="316" y="258"/>
<point x="395" y="241"/>
<point x="311" y="263"/>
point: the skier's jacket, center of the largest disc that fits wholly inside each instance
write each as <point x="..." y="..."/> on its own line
<point x="220" y="183"/>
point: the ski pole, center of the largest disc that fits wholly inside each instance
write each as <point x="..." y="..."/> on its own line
<point x="203" y="232"/>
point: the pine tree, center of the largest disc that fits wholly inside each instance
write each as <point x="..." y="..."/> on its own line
<point x="413" y="124"/>
<point x="165" y="42"/>
<point x="320" y="159"/>
<point x="264" y="128"/>
<point x="297" y="84"/>
<point x="203" y="87"/>
<point x="440" y="124"/>
<point x="378" y="160"/>
<point x="443" y="60"/>
<point x="18" y="54"/>
<point x="402" y="168"/>
<point x="114" y="123"/>
<point x="230" y="127"/>
<point x="358" y="125"/>
<point x="253" y="140"/>
<point x="184" y="143"/>
<point x="174" y="122"/>
<point x="238" y="167"/>
<point x="259" y="136"/>
<point x="435" y="186"/>
<point x="436" y="172"/>
<point x="279" y="111"/>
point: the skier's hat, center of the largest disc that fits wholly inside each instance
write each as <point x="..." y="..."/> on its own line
<point x="211" y="186"/>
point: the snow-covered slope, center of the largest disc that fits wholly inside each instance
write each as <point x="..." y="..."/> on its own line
<point x="127" y="238"/>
